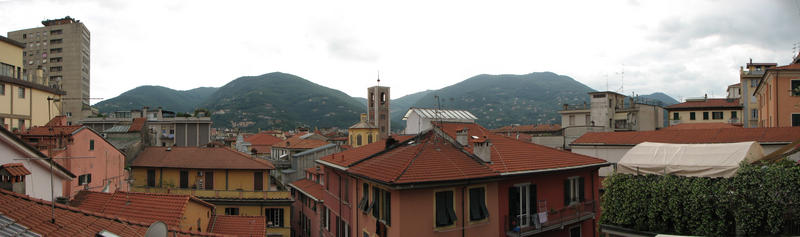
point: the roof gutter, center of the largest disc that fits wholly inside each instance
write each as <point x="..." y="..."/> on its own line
<point x="304" y="192"/>
<point x="554" y="169"/>
<point x="331" y="165"/>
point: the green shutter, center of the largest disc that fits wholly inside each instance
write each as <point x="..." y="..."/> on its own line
<point x="581" y="195"/>
<point x="387" y="204"/>
<point x="566" y="192"/>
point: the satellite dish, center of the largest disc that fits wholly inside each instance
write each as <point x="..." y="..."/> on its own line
<point x="157" y="229"/>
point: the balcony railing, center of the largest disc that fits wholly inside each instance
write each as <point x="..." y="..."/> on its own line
<point x="552" y="220"/>
<point x="228" y="194"/>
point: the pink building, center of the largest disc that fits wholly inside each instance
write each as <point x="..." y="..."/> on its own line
<point x="458" y="179"/>
<point x="98" y="165"/>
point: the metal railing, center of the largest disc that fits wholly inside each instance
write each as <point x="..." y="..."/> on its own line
<point x="553" y="219"/>
<point x="230" y="194"/>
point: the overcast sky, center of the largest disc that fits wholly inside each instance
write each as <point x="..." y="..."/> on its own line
<point x="682" y="48"/>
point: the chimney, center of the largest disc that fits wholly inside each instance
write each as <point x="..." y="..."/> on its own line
<point x="389" y="142"/>
<point x="462" y="136"/>
<point x="363" y="117"/>
<point x="483" y="149"/>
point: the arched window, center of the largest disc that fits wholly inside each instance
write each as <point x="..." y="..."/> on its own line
<point x="358" y="140"/>
<point x="369" y="138"/>
<point x="371" y="99"/>
<point x="352" y="139"/>
<point x="383" y="97"/>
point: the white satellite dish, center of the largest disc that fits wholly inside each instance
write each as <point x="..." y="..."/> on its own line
<point x="157" y="229"/>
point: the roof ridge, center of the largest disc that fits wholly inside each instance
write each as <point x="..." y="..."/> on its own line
<point x="410" y="162"/>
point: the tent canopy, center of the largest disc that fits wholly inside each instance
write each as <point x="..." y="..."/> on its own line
<point x="696" y="160"/>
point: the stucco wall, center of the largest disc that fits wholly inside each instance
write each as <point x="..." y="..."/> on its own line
<point x="105" y="163"/>
<point x="37" y="184"/>
<point x="195" y="211"/>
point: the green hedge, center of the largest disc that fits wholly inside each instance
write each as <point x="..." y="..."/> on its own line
<point x="760" y="199"/>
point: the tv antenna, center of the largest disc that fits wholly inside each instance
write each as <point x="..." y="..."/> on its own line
<point x="621" y="80"/>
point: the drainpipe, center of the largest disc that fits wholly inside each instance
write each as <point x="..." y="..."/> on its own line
<point x="463" y="226"/>
<point x="594" y="207"/>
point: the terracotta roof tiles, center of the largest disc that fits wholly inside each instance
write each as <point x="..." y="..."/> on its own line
<point x="239" y="225"/>
<point x="350" y="156"/>
<point x="708" y="103"/>
<point x="693" y="136"/>
<point x="15" y="169"/>
<point x="529" y="128"/>
<point x="142" y="207"/>
<point x="296" y="142"/>
<point x="35" y="214"/>
<point x="137" y="124"/>
<point x="309" y="187"/>
<point x="45" y="131"/>
<point x="199" y="158"/>
<point x="701" y="126"/>
<point x="262" y="139"/>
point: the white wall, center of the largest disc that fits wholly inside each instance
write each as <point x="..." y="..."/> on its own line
<point x="37" y="184"/>
<point x="611" y="154"/>
<point x="416" y="124"/>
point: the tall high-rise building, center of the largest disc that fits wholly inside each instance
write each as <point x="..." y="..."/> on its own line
<point x="378" y="109"/>
<point x="60" y="49"/>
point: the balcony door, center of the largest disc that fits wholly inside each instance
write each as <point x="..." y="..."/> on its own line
<point x="258" y="181"/>
<point x="184" y="179"/>
<point x="522" y="204"/>
<point x="209" y="180"/>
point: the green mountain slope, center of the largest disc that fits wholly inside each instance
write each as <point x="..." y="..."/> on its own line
<point x="280" y="100"/>
<point x="156" y="96"/>
<point x="665" y="99"/>
<point x="499" y="100"/>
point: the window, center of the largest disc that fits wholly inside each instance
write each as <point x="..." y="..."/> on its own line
<point x="795" y="120"/>
<point x="56" y="50"/>
<point x="274" y="217"/>
<point x="363" y="204"/>
<point x="6" y="70"/>
<point x="342" y="228"/>
<point x="575" y="231"/>
<point x="675" y="116"/>
<point x="381" y="205"/>
<point x="445" y="214"/>
<point x="734" y="115"/>
<point x="2" y="89"/>
<point x="795" y="88"/>
<point x="754" y="113"/>
<point x="705" y="115"/>
<point x="56" y="60"/>
<point x="91" y="145"/>
<point x="326" y="222"/>
<point x="369" y="138"/>
<point x="184" y="179"/>
<point x="573" y="190"/>
<point x="21" y="92"/>
<point x="84" y="179"/>
<point x="358" y="140"/>
<point x="56" y="32"/>
<point x="716" y="115"/>
<point x="56" y="41"/>
<point x="258" y="181"/>
<point x="151" y="177"/>
<point x="346" y="190"/>
<point x="56" y="69"/>
<point x="571" y="120"/>
<point x="209" y="185"/>
<point x="477" y="204"/>
<point x="232" y="211"/>
<point x="522" y="205"/>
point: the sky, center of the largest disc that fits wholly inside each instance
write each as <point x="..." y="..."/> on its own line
<point x="682" y="48"/>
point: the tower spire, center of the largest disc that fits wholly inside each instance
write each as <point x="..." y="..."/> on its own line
<point x="379" y="77"/>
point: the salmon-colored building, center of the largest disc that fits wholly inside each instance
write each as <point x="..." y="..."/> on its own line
<point x="97" y="163"/>
<point x="458" y="179"/>
<point x="778" y="94"/>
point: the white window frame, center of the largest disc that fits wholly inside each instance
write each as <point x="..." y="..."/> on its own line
<point x="574" y="192"/>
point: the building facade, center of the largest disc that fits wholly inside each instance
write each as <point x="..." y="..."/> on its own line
<point x="778" y="95"/>
<point x="378" y="109"/>
<point x="456" y="179"/>
<point x="37" y="184"/>
<point x="61" y="50"/>
<point x="706" y="110"/>
<point x="748" y="78"/>
<point x="25" y="102"/>
<point x="363" y="133"/>
<point x="236" y="183"/>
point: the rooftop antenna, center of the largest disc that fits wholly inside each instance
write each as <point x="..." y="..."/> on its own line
<point x="379" y="77"/>
<point x="621" y="80"/>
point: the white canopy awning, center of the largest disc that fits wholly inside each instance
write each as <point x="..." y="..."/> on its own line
<point x="696" y="160"/>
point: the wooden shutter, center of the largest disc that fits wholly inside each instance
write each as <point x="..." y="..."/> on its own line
<point x="581" y="189"/>
<point x="151" y="178"/>
<point x="209" y="180"/>
<point x="184" y="179"/>
<point x="258" y="181"/>
<point x="566" y="192"/>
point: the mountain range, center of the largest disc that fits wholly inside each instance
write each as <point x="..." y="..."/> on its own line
<point x="285" y="101"/>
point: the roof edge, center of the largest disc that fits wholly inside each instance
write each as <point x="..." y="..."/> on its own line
<point x="555" y="169"/>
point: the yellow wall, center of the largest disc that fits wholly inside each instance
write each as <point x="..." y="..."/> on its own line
<point x="10" y="54"/>
<point x="43" y="110"/>
<point x="364" y="132"/>
<point x="34" y="107"/>
<point x="193" y="212"/>
<point x="243" y="210"/>
<point x="684" y="116"/>
<point x="237" y="179"/>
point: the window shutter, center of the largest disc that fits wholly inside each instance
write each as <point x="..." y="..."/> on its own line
<point x="376" y="203"/>
<point x="387" y="204"/>
<point x="566" y="192"/>
<point x="450" y="212"/>
<point x="581" y="189"/>
<point x="482" y="204"/>
<point x="474" y="208"/>
<point x="532" y="198"/>
<point x="441" y="216"/>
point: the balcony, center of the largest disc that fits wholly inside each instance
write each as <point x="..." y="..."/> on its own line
<point x="553" y="220"/>
<point x="281" y="163"/>
<point x="221" y="194"/>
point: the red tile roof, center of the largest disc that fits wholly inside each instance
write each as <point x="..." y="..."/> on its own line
<point x="430" y="159"/>
<point x="36" y="215"/>
<point x="262" y="138"/>
<point x="309" y="187"/>
<point x="15" y="169"/>
<point x="239" y="225"/>
<point x="693" y="136"/>
<point x="58" y="130"/>
<point x="708" y="103"/>
<point x="521" y="136"/>
<point x="296" y="143"/>
<point x="350" y="156"/>
<point x="314" y="170"/>
<point x="137" y="124"/>
<point x="142" y="207"/>
<point x="60" y="120"/>
<point x="787" y="67"/>
<point x="199" y="158"/>
<point x="509" y="155"/>
<point x="529" y="128"/>
<point x="701" y="126"/>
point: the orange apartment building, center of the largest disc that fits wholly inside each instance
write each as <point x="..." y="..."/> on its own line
<point x="458" y="179"/>
<point x="778" y="94"/>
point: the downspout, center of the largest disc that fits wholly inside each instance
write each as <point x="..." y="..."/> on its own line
<point x="463" y="226"/>
<point x="777" y="108"/>
<point x="594" y="220"/>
